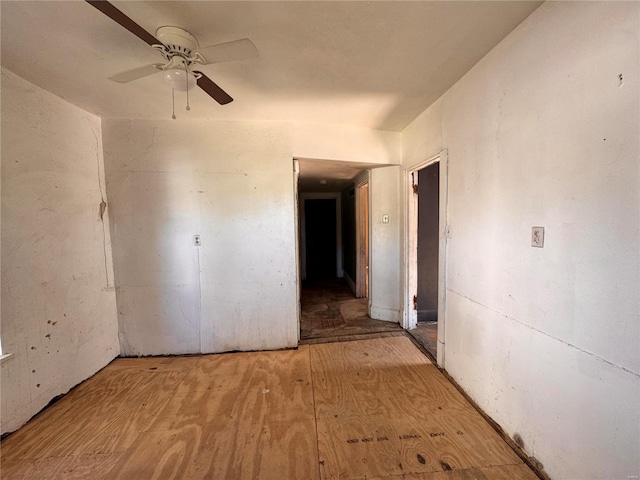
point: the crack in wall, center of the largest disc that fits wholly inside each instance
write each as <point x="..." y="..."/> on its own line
<point x="103" y="204"/>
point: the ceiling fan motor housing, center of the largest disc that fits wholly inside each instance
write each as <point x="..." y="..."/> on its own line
<point x="178" y="40"/>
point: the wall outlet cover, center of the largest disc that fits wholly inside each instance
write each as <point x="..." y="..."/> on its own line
<point x="537" y="237"/>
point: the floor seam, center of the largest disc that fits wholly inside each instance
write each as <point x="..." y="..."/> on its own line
<point x="315" y="414"/>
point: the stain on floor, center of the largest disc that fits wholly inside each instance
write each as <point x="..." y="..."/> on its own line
<point x="330" y="309"/>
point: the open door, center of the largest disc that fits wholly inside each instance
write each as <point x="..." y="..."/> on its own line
<point x="362" y="240"/>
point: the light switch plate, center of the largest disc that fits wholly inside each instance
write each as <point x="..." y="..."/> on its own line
<point x="537" y="237"/>
<point x="385" y="218"/>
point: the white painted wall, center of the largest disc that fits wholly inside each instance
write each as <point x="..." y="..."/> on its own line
<point x="384" y="268"/>
<point x="59" y="315"/>
<point x="543" y="132"/>
<point x="231" y="183"/>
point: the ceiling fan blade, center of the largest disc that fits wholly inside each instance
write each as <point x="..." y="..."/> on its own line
<point x="213" y="90"/>
<point x="117" y="16"/>
<point x="134" y="74"/>
<point x="229" y="51"/>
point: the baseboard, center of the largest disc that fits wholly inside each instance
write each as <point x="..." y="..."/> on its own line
<point x="386" y="314"/>
<point x="427" y="315"/>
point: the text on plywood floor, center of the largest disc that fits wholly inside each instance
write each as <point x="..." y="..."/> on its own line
<point x="364" y="409"/>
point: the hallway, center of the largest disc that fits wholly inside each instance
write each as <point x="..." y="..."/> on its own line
<point x="329" y="310"/>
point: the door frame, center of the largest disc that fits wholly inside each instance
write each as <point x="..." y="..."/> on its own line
<point x="410" y="318"/>
<point x="296" y="221"/>
<point x="303" y="197"/>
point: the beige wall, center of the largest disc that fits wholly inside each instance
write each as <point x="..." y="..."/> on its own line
<point x="543" y="132"/>
<point x="59" y="318"/>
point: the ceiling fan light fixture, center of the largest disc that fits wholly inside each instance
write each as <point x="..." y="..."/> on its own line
<point x="180" y="49"/>
<point x="180" y="79"/>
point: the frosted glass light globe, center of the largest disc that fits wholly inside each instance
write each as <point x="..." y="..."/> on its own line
<point x="179" y="79"/>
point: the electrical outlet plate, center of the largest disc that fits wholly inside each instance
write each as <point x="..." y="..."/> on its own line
<point x="385" y="218"/>
<point x="196" y="240"/>
<point x="537" y="237"/>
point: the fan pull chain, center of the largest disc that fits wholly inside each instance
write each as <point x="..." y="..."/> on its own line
<point x="186" y="77"/>
<point x="173" y="103"/>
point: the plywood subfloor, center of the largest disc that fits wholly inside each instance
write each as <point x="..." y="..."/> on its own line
<point x="363" y="409"/>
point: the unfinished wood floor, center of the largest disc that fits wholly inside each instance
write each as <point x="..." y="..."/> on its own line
<point x="363" y="409"/>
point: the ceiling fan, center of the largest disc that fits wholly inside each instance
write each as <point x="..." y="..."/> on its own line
<point x="181" y="52"/>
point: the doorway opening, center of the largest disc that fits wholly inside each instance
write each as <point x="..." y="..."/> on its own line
<point x="428" y="229"/>
<point x="334" y="229"/>
<point x="426" y="234"/>
<point x="322" y="239"/>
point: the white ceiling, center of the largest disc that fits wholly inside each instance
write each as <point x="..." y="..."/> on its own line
<point x="368" y="64"/>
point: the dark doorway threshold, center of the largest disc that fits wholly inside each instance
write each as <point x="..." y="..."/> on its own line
<point x="330" y="311"/>
<point x="427" y="335"/>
